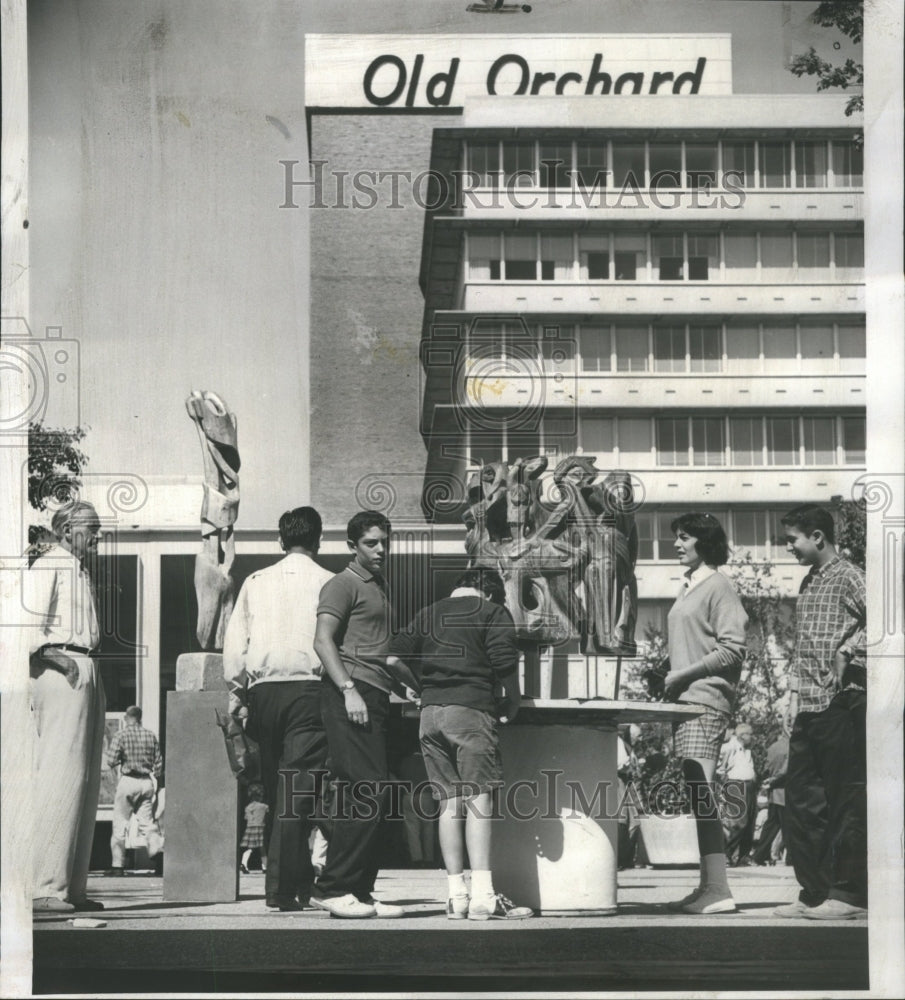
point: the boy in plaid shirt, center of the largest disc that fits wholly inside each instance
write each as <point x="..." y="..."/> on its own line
<point x="826" y="798"/>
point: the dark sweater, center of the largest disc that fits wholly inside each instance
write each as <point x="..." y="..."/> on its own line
<point x="459" y="648"/>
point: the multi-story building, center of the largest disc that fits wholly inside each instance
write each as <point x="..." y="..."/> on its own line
<point x="675" y="287"/>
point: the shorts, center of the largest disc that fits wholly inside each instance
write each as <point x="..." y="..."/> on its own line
<point x="461" y="751"/>
<point x="701" y="737"/>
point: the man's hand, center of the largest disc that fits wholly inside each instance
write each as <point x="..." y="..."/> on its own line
<point x="840" y="664"/>
<point x="356" y="709"/>
<point x="788" y="718"/>
<point x="55" y="659"/>
<point x="413" y="697"/>
<point x="237" y="708"/>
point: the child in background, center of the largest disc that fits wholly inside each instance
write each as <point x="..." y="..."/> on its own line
<point x="255" y="818"/>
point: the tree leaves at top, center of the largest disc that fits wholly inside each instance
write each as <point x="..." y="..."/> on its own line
<point x="848" y="17"/>
<point x="55" y="464"/>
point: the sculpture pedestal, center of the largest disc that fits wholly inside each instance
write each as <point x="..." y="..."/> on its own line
<point x="555" y="848"/>
<point x="200" y="861"/>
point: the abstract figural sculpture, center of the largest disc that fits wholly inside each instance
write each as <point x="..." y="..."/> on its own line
<point x="214" y="585"/>
<point x="568" y="562"/>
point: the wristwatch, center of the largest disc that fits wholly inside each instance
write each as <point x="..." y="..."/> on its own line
<point x="348" y="686"/>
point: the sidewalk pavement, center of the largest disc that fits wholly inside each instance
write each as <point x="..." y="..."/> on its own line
<point x="151" y="946"/>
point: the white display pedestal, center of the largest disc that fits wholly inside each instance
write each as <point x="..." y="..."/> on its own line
<point x="555" y="847"/>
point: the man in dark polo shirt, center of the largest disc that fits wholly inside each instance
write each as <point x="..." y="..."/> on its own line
<point x="352" y="641"/>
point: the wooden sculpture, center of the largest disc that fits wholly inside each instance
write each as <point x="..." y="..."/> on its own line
<point x="214" y="585"/>
<point x="568" y="565"/>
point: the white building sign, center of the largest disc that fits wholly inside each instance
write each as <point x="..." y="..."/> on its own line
<point x="404" y="72"/>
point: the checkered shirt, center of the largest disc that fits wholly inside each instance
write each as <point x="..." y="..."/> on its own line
<point x="830" y="617"/>
<point x="137" y="750"/>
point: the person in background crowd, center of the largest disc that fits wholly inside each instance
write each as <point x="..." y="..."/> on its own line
<point x="735" y="770"/>
<point x="354" y="628"/>
<point x="826" y="785"/>
<point x="68" y="705"/>
<point x="273" y="673"/>
<point x="629" y="769"/>
<point x="253" y="837"/>
<point x="136" y="752"/>
<point x="775" y="785"/>
<point x="706" y="629"/>
<point x="461" y="648"/>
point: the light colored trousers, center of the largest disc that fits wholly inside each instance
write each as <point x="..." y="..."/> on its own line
<point x="134" y="795"/>
<point x="69" y="742"/>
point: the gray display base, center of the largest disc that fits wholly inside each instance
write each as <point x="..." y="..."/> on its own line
<point x="202" y="813"/>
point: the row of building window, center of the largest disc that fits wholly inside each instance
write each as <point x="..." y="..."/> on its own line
<point x="622" y="164"/>
<point x="754" y="532"/>
<point x="780" y="348"/>
<point x="761" y="256"/>
<point x="691" y="441"/>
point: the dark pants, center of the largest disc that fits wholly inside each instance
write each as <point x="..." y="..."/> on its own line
<point x="284" y="717"/>
<point x="826" y="802"/>
<point x="740" y="836"/>
<point x="358" y="764"/>
<point x="772" y="828"/>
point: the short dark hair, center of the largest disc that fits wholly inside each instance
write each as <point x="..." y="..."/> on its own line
<point x="301" y="527"/>
<point x="809" y="517"/>
<point x="488" y="581"/>
<point x="362" y="522"/>
<point x="134" y="712"/>
<point x="712" y="545"/>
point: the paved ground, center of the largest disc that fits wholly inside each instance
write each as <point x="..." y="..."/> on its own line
<point x="151" y="946"/>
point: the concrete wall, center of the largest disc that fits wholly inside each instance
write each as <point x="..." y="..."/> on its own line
<point x="156" y="238"/>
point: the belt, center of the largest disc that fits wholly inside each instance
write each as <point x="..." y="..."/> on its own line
<point x="84" y="650"/>
<point x="136" y="774"/>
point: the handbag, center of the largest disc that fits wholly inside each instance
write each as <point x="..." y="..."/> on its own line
<point x="243" y="753"/>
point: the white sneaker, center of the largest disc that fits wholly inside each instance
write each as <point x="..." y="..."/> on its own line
<point x="389" y="911"/>
<point x="677" y="905"/>
<point x="796" y="909"/>
<point x="347" y="907"/>
<point x="497" y="907"/>
<point x="457" y="907"/>
<point x="711" y="901"/>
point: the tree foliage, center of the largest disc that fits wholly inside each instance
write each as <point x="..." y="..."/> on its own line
<point x="851" y="530"/>
<point x="848" y="17"/>
<point x="55" y="465"/>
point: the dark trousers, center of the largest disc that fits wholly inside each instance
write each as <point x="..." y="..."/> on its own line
<point x="741" y="835"/>
<point x="358" y="765"/>
<point x="284" y="717"/>
<point x="772" y="828"/>
<point x="826" y="802"/>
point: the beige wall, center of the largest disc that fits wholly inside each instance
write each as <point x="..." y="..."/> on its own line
<point x="156" y="240"/>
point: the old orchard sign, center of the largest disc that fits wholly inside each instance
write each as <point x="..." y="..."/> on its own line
<point x="405" y="72"/>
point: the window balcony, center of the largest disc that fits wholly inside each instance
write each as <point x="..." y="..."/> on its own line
<point x="509" y="386"/>
<point x="689" y="485"/>
<point x="612" y="204"/>
<point x="634" y="298"/>
<point x="662" y="580"/>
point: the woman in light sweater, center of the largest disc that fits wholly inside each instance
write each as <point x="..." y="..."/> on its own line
<point x="706" y="649"/>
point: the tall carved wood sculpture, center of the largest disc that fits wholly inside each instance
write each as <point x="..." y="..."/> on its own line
<point x="214" y="585"/>
<point x="569" y="564"/>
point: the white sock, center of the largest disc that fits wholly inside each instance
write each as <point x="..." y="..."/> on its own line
<point x="481" y="883"/>
<point x="457" y="886"/>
